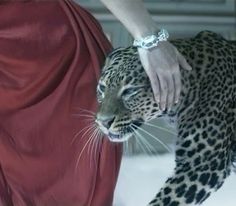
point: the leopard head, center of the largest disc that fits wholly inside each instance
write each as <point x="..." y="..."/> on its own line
<point x="125" y="96"/>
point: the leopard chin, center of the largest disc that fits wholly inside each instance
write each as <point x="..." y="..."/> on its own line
<point x="119" y="138"/>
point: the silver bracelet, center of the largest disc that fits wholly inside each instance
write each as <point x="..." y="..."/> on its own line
<point x="151" y="41"/>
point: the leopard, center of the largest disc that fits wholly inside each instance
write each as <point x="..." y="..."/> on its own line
<point x="205" y="148"/>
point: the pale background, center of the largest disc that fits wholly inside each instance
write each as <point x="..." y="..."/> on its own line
<point x="180" y="17"/>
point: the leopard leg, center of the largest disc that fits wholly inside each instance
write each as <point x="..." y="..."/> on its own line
<point x="203" y="160"/>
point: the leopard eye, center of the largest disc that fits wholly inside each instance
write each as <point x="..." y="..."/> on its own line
<point x="129" y="92"/>
<point x="100" y="92"/>
<point x="101" y="88"/>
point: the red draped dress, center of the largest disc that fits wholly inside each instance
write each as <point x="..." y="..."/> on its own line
<point x="51" y="54"/>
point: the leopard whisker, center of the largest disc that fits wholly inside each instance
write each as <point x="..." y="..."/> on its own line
<point x="126" y="147"/>
<point x="160" y="128"/>
<point x="86" y="129"/>
<point x="85" y="115"/>
<point x="99" y="141"/>
<point x="86" y="111"/>
<point x="146" y="148"/>
<point x="140" y="144"/>
<point x="92" y="127"/>
<point x="143" y="143"/>
<point x="93" y="134"/>
<point x="92" y="148"/>
<point x="82" y="151"/>
<point x="155" y="138"/>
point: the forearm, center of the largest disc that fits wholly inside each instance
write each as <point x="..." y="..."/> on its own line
<point x="133" y="15"/>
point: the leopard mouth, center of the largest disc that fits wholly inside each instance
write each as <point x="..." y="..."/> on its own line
<point x="125" y="133"/>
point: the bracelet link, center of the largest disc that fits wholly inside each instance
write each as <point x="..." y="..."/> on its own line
<point x="151" y="41"/>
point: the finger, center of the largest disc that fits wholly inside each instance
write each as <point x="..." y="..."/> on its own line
<point x="182" y="61"/>
<point x="170" y="92"/>
<point x="177" y="85"/>
<point x="155" y="84"/>
<point x="164" y="91"/>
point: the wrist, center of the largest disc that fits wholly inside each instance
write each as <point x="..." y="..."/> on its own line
<point x="145" y="30"/>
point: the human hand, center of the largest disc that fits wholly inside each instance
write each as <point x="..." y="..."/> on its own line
<point x="162" y="65"/>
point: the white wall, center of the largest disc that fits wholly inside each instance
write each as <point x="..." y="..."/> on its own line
<point x="182" y="18"/>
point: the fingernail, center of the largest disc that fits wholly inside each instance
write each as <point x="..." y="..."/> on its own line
<point x="157" y="100"/>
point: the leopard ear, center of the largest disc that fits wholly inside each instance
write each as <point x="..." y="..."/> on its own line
<point x="119" y="52"/>
<point x="115" y="52"/>
<point x="112" y="54"/>
<point x="135" y="50"/>
<point x="106" y="63"/>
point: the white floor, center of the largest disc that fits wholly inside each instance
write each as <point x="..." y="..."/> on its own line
<point x="142" y="176"/>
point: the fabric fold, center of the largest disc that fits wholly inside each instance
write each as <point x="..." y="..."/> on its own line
<point x="51" y="53"/>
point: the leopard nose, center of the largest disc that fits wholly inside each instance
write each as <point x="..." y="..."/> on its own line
<point x="105" y="121"/>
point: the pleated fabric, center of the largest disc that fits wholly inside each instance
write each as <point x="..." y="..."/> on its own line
<point x="51" y="53"/>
